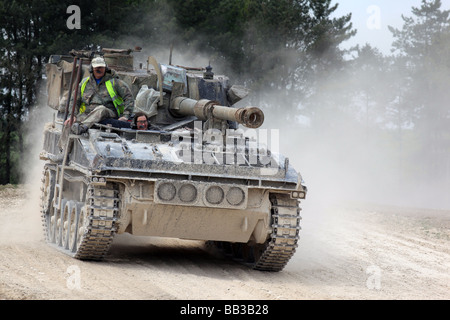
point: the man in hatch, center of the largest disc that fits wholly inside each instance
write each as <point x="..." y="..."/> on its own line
<point x="102" y="95"/>
<point x="140" y="121"/>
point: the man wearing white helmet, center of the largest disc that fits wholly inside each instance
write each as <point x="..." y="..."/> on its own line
<point x="102" y="95"/>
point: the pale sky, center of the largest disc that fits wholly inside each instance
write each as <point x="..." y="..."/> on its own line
<point x="372" y="17"/>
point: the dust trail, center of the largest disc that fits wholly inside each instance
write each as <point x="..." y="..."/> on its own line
<point x="32" y="168"/>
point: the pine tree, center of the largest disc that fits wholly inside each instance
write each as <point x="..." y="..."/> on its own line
<point x="423" y="47"/>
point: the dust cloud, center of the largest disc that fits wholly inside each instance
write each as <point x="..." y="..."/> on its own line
<point x="342" y="159"/>
<point x="32" y="169"/>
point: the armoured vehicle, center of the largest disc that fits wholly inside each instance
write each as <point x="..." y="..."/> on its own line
<point x="199" y="172"/>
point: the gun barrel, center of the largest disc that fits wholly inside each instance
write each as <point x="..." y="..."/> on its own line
<point x="251" y="117"/>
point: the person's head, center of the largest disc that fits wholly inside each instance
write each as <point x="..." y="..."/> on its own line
<point x="98" y="67"/>
<point x="141" y="121"/>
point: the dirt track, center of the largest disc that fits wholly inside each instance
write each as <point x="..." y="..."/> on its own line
<point x="346" y="252"/>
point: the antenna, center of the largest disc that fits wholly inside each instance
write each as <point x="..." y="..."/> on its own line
<point x="170" y="55"/>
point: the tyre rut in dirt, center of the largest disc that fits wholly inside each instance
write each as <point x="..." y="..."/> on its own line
<point x="280" y="247"/>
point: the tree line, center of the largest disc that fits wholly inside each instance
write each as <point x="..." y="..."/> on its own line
<point x="288" y="52"/>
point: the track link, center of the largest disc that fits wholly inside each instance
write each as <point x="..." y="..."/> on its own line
<point x="97" y="223"/>
<point x="47" y="191"/>
<point x="83" y="230"/>
<point x="285" y="235"/>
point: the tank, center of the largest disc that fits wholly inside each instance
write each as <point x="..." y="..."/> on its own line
<point x="201" y="171"/>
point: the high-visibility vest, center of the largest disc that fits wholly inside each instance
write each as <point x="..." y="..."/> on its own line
<point x="118" y="101"/>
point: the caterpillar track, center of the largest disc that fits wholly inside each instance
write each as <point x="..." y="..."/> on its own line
<point x="83" y="230"/>
<point x="279" y="248"/>
<point x="189" y="172"/>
